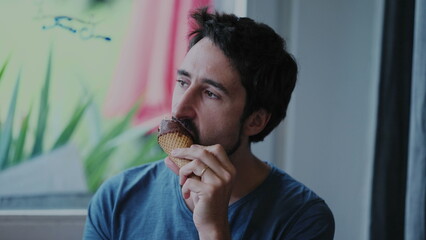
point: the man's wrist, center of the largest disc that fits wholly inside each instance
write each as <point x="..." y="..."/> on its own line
<point x="215" y="233"/>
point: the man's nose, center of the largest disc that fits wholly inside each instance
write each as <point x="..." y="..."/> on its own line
<point x="184" y="104"/>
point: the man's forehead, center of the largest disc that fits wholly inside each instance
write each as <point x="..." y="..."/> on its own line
<point x="206" y="60"/>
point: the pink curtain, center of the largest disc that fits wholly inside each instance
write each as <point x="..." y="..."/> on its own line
<point x="154" y="47"/>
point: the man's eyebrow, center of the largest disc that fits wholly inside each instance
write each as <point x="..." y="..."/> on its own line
<point x="216" y="85"/>
<point x="183" y="72"/>
<point x="205" y="80"/>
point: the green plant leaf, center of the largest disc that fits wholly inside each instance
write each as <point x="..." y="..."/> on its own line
<point x="96" y="174"/>
<point x="71" y="126"/>
<point x="149" y="152"/>
<point x="97" y="161"/>
<point x="43" y="112"/>
<point x="114" y="131"/>
<point x="20" y="142"/>
<point x="3" y="68"/>
<point x="94" y="121"/>
<point x="121" y="126"/>
<point x="6" y="135"/>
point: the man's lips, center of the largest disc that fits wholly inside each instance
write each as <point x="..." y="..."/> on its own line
<point x="189" y="126"/>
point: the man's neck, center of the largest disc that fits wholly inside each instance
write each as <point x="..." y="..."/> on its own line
<point x="251" y="172"/>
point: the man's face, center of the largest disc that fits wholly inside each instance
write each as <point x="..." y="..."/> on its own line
<point x="209" y="95"/>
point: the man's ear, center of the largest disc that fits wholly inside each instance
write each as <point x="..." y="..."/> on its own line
<point x="256" y="122"/>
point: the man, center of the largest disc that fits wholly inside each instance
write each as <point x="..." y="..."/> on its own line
<point x="232" y="89"/>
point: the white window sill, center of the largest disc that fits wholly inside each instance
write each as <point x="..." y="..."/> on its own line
<point x="42" y="224"/>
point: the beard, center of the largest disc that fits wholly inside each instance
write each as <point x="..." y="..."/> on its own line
<point x="189" y="125"/>
<point x="237" y="144"/>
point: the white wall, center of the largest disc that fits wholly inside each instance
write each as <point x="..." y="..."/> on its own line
<point x="327" y="141"/>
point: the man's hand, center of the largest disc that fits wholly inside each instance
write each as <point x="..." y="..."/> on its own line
<point x="207" y="181"/>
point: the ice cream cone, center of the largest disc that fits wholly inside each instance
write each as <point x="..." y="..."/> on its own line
<point x="173" y="135"/>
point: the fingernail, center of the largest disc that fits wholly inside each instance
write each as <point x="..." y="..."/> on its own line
<point x="186" y="195"/>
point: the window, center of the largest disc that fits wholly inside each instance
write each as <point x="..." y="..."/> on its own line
<point x="62" y="129"/>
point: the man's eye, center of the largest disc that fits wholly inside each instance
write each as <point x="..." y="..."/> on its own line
<point x="181" y="83"/>
<point x="211" y="95"/>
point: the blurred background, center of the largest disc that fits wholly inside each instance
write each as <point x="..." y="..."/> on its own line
<point x="84" y="83"/>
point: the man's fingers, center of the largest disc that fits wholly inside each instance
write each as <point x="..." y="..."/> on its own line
<point x="195" y="168"/>
<point x="195" y="186"/>
<point x="220" y="153"/>
<point x="216" y="159"/>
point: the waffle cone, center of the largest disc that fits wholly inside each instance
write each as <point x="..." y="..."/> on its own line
<point x="170" y="141"/>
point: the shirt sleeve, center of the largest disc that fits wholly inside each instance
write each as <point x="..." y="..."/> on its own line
<point x="316" y="222"/>
<point x="99" y="214"/>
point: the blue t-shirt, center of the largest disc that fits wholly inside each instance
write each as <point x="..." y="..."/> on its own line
<point x="146" y="202"/>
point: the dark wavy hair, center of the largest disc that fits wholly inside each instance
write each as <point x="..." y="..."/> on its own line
<point x="267" y="71"/>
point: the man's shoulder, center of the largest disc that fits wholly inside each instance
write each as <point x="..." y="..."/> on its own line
<point x="291" y="188"/>
<point x="289" y="195"/>
<point x="300" y="205"/>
